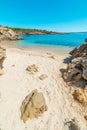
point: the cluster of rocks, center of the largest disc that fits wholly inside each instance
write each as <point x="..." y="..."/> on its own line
<point x="76" y="72"/>
<point x="33" y="106"/>
<point x="8" y="34"/>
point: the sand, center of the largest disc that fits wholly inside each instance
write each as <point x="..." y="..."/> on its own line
<point x="16" y="83"/>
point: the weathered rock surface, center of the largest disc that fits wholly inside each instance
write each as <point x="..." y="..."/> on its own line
<point x="80" y="51"/>
<point x="76" y="72"/>
<point x="73" y="126"/>
<point x="33" y="106"/>
<point x="2" y="56"/>
<point x="81" y="95"/>
<point x="8" y="34"/>
<point x="32" y="69"/>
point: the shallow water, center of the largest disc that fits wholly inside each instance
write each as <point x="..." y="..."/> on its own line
<point x="54" y="42"/>
<point x="68" y="40"/>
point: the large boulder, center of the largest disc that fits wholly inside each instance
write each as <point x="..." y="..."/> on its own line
<point x="33" y="106"/>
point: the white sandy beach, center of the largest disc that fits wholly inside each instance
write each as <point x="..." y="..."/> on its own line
<point x="16" y="83"/>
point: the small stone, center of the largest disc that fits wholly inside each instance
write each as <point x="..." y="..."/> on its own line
<point x="13" y="65"/>
<point x="52" y="57"/>
<point x="43" y="76"/>
<point x="32" y="69"/>
<point x="81" y="96"/>
<point x="85" y="117"/>
<point x="73" y="126"/>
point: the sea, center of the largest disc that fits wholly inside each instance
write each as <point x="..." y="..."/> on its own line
<point x="54" y="42"/>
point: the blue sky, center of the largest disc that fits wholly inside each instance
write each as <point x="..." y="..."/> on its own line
<point x="57" y="15"/>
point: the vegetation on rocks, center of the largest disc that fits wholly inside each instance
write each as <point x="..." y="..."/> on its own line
<point x="32" y="31"/>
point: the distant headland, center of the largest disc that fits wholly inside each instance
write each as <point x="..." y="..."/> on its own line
<point x="29" y="31"/>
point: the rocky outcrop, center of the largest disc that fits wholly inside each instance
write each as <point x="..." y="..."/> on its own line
<point x="2" y="56"/>
<point x="76" y="75"/>
<point x="76" y="72"/>
<point x="80" y="51"/>
<point x="33" y="106"/>
<point x="8" y="34"/>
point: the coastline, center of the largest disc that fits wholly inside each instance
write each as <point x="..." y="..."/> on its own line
<point x="56" y="50"/>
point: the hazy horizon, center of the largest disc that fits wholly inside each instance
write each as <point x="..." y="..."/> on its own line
<point x="53" y="15"/>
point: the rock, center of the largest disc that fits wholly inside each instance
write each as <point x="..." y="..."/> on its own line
<point x="13" y="65"/>
<point x="73" y="126"/>
<point x="32" y="69"/>
<point x="81" y="95"/>
<point x="85" y="117"/>
<point x="76" y="72"/>
<point x="43" y="76"/>
<point x="84" y="75"/>
<point x="2" y="56"/>
<point x="8" y="34"/>
<point x="80" y="51"/>
<point x="52" y="57"/>
<point x="86" y="40"/>
<point x="84" y="62"/>
<point x="33" y="106"/>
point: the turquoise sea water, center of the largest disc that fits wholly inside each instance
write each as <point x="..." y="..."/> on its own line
<point x="57" y="41"/>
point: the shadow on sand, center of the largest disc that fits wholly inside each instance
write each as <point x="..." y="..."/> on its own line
<point x="66" y="61"/>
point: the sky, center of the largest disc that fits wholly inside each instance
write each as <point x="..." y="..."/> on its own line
<point x="56" y="15"/>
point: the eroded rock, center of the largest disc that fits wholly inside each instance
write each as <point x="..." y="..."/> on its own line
<point x="77" y="68"/>
<point x="84" y="75"/>
<point x="81" y="95"/>
<point x="33" y="106"/>
<point x="80" y="51"/>
<point x="8" y="34"/>
<point x="2" y="56"/>
<point x="73" y="126"/>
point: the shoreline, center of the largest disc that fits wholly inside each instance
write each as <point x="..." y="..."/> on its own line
<point x="13" y="45"/>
